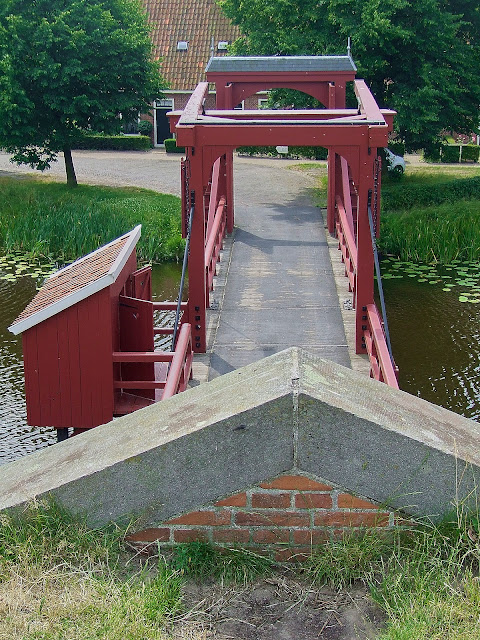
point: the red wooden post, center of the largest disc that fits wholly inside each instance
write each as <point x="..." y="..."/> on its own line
<point x="196" y="261"/>
<point x="229" y="191"/>
<point x="365" y="267"/>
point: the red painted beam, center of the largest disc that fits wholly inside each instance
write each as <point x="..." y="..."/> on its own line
<point x="273" y="133"/>
<point x="384" y="361"/>
<point x="142" y="356"/>
<point x="181" y="364"/>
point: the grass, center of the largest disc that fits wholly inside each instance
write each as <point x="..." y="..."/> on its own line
<point x="46" y="218"/>
<point x="432" y="216"/>
<point x="233" y="565"/>
<point x="60" y="579"/>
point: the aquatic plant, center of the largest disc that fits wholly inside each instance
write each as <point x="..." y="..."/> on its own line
<point x="47" y="219"/>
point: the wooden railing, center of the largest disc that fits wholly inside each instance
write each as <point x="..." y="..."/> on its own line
<point x="216" y="228"/>
<point x="381" y="366"/>
<point x="178" y="370"/>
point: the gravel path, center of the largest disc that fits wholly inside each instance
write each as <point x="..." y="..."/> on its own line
<point x="146" y="169"/>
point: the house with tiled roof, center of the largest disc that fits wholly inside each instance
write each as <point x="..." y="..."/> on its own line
<point x="185" y="34"/>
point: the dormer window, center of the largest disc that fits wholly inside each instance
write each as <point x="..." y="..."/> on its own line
<point x="182" y="45"/>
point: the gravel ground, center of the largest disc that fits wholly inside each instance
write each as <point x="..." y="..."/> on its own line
<point x="146" y="169"/>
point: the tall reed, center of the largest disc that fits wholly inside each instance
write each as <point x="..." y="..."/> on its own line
<point x="47" y="218"/>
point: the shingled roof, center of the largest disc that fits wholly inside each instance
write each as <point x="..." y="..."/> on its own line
<point x="192" y="21"/>
<point x="78" y="281"/>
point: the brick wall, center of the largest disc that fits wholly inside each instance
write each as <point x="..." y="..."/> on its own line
<point x="286" y="515"/>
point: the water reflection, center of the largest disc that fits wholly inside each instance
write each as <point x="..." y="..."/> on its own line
<point x="436" y="343"/>
<point x="16" y="437"/>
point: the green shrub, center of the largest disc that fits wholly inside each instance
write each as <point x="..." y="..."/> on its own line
<point x="398" y="148"/>
<point x="171" y="146"/>
<point x="451" y="153"/>
<point x="145" y="127"/>
<point x="432" y="153"/>
<point x="470" y="153"/>
<point x="101" y="142"/>
<point x="426" y="193"/>
<point x="309" y="153"/>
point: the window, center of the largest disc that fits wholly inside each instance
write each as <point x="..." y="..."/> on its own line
<point x="182" y="45"/>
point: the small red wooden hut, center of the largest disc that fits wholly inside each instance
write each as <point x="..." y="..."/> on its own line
<point x="75" y="334"/>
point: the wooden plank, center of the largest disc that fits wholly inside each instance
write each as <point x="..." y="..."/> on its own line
<point x="49" y="380"/>
<point x="136" y="335"/>
<point x="106" y="365"/>
<point x="30" y="364"/>
<point x="64" y="372"/>
<point x="74" y="360"/>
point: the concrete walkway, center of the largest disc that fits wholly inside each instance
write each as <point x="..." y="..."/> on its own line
<point x="280" y="291"/>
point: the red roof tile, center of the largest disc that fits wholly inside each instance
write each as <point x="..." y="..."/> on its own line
<point x="194" y="21"/>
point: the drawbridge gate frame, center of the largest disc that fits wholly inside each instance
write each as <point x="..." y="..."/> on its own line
<point x="352" y="137"/>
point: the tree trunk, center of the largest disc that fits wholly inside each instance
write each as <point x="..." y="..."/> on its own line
<point x="69" y="168"/>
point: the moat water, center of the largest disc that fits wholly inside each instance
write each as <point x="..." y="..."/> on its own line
<point x="17" y="288"/>
<point x="434" y="318"/>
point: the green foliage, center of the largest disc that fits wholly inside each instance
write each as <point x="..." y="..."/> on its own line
<point x="470" y="153"/>
<point x="396" y="43"/>
<point x="162" y="596"/>
<point x="145" y="127"/>
<point x="69" y="67"/>
<point x="201" y="560"/>
<point x="310" y="153"/>
<point x="451" y="153"/>
<point x="432" y="151"/>
<point x="49" y="218"/>
<point x="398" y="148"/>
<point x="44" y="533"/>
<point x="104" y="142"/>
<point x="353" y="557"/>
<point x="427" y="585"/>
<point x="171" y="146"/>
<point x="421" y="190"/>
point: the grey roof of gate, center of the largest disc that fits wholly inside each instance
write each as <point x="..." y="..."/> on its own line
<point x="280" y="63"/>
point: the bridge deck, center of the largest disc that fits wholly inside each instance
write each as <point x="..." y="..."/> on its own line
<point x="280" y="290"/>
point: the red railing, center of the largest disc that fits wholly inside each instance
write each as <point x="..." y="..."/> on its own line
<point x="382" y="366"/>
<point x="178" y="369"/>
<point x="215" y="229"/>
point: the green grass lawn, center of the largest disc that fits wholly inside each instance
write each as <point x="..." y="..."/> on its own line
<point x="49" y="218"/>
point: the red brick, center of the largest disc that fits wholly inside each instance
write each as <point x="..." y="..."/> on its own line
<point x="199" y="518"/>
<point x="279" y="519"/>
<point x="270" y="500"/>
<point x="189" y="535"/>
<point x="293" y="554"/>
<point x="351" y="519"/>
<point x="237" y="500"/>
<point x="313" y="501"/>
<point x="149" y="535"/>
<point x="310" y="536"/>
<point x="347" y="501"/>
<point x="298" y="483"/>
<point x="231" y="535"/>
<point x="271" y="536"/>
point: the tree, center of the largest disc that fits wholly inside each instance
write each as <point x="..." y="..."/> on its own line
<point x="67" y="66"/>
<point x="420" y="57"/>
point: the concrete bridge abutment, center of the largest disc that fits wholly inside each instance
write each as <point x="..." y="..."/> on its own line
<point x="289" y="451"/>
